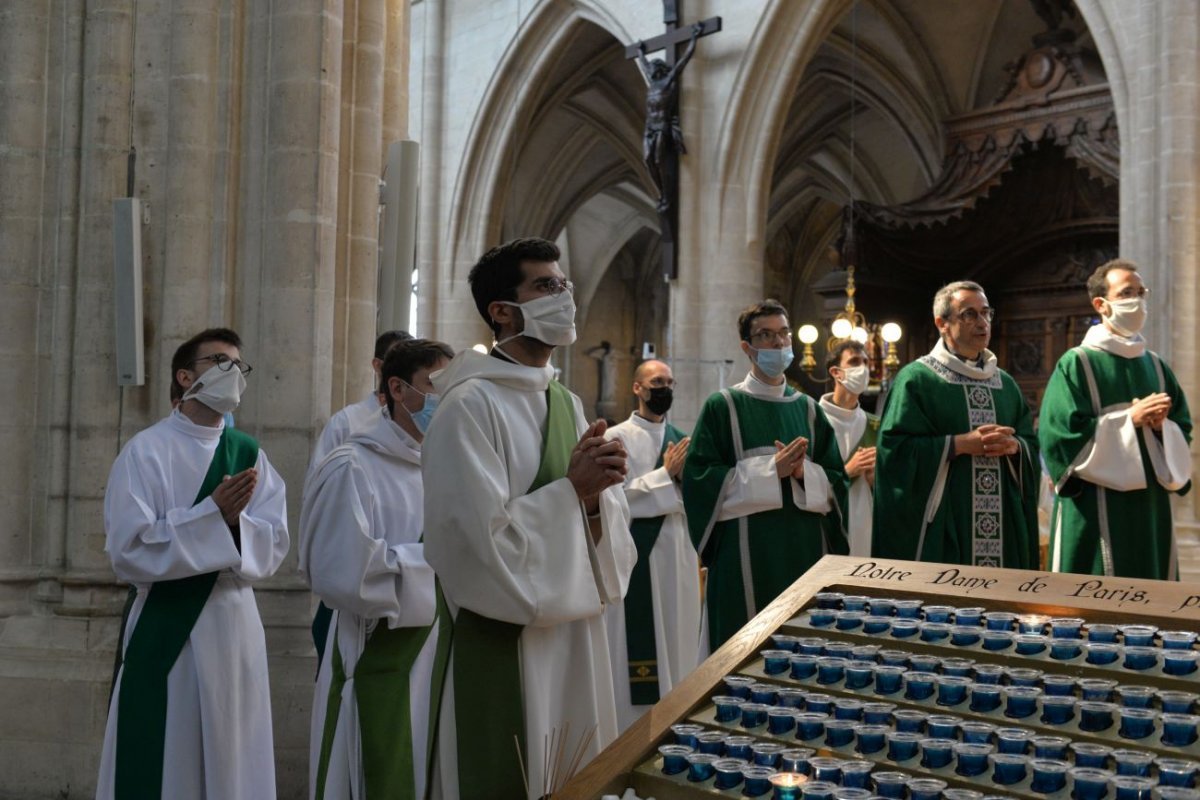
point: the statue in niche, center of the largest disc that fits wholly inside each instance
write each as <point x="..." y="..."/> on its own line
<point x="662" y="133"/>
<point x="606" y="402"/>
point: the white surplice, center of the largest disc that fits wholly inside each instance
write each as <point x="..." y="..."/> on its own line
<point x="345" y="422"/>
<point x="360" y="550"/>
<point x="674" y="569"/>
<point x="522" y="557"/>
<point x="849" y="424"/>
<point x="218" y="737"/>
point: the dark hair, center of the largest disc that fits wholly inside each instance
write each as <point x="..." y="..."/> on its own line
<point x="767" y="308"/>
<point x="1097" y="283"/>
<point x="186" y="353"/>
<point x="497" y="274"/>
<point x="385" y="340"/>
<point x="405" y="358"/>
<point x="834" y="359"/>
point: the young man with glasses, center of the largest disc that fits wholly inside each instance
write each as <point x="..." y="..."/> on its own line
<point x="1115" y="432"/>
<point x="763" y="484"/>
<point x="527" y="529"/>
<point x="956" y="465"/>
<point x="193" y="513"/>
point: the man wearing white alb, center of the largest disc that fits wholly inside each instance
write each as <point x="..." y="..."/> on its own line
<point x="655" y="633"/>
<point x="856" y="432"/>
<point x="193" y="513"/>
<point x="380" y="679"/>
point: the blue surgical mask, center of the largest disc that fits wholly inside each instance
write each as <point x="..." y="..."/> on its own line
<point x="423" y="417"/>
<point x="229" y="419"/>
<point x="773" y="362"/>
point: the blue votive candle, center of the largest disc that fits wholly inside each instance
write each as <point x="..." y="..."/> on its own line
<point x="873" y="624"/>
<point x="859" y="675"/>
<point x="840" y="650"/>
<point x="818" y="790"/>
<point x="894" y="658"/>
<point x="1179" y="662"/>
<point x="829" y="600"/>
<point x="780" y="720"/>
<point x="1162" y="792"/>
<point x="1137" y="723"/>
<point x="878" y="713"/>
<point x="888" y="679"/>
<point x="729" y="772"/>
<point x="903" y="745"/>
<point x="845" y="792"/>
<point x="756" y="781"/>
<point x="1131" y="787"/>
<point x="775" y="662"/>
<point x="739" y="686"/>
<point x="754" y="715"/>
<point x="1050" y="747"/>
<point x="1031" y="623"/>
<point x="766" y="754"/>
<point x="1094" y="717"/>
<point x="1022" y="701"/>
<point x="1090" y="755"/>
<point x="1097" y="689"/>
<point x="821" y="703"/>
<point x="891" y="784"/>
<point x="1102" y="653"/>
<point x="1102" y="632"/>
<point x="1177" y="640"/>
<point x="965" y="635"/>
<point x="942" y="726"/>
<point x="674" y="758"/>
<point x="1136" y="696"/>
<point x="1177" y="772"/>
<point x="711" y="743"/>
<point x="925" y="788"/>
<point x="701" y="766"/>
<point x="1030" y="644"/>
<point x="1058" y="686"/>
<point x="1024" y="676"/>
<point x="821" y="617"/>
<point x="1088" y="783"/>
<point x="937" y="753"/>
<point x="905" y="628"/>
<point x="919" y="685"/>
<point x="1064" y="649"/>
<point x="908" y="609"/>
<point x="855" y="602"/>
<point x="971" y="759"/>
<point x="839" y="732"/>
<point x="919" y="662"/>
<point x="882" y="606"/>
<point x="870" y="738"/>
<point x="810" y="725"/>
<point x="811" y="646"/>
<point x="728" y="708"/>
<point x="977" y="732"/>
<point x="1008" y="768"/>
<point x="738" y="746"/>
<point x="909" y="720"/>
<point x="985" y="697"/>
<point x="856" y="774"/>
<point x="783" y="641"/>
<point x="785" y="785"/>
<point x="1132" y="762"/>
<point x="830" y="670"/>
<point x="1140" y="658"/>
<point x="1066" y="627"/>
<point x="764" y="693"/>
<point x="955" y="665"/>
<point x="1013" y="741"/>
<point x="995" y="641"/>
<point x="989" y="673"/>
<point x="795" y="759"/>
<point x="1138" y="635"/>
<point x="803" y="666"/>
<point x="971" y="615"/>
<point x="792" y="698"/>
<point x="1049" y="775"/>
<point x="685" y="734"/>
<point x="847" y="708"/>
<point x="938" y="613"/>
<point x="849" y="620"/>
<point x="826" y="769"/>
<point x="1176" y="702"/>
<point x="999" y="620"/>
<point x="1179" y="730"/>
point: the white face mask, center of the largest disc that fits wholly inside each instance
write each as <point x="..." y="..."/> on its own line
<point x="549" y="319"/>
<point x="856" y="379"/>
<point x="221" y="390"/>
<point x="1128" y="316"/>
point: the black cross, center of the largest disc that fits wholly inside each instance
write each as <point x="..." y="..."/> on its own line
<point x="669" y="43"/>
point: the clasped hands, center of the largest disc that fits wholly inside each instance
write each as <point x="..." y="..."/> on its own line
<point x="987" y="440"/>
<point x="789" y="458"/>
<point x="233" y="494"/>
<point x="596" y="464"/>
<point x="1151" y="410"/>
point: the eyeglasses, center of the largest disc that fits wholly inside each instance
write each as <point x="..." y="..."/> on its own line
<point x="225" y="363"/>
<point x="971" y="316"/>
<point x="553" y="286"/>
<point x="1129" y="293"/>
<point x="765" y="337"/>
<point x="658" y="383"/>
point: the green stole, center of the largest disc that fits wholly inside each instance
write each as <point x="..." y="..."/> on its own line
<point x="163" y="628"/>
<point x="639" y="602"/>
<point x="489" y="709"/>
<point x="870" y="436"/>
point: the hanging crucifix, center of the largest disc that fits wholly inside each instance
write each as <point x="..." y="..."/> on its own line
<point x="662" y="141"/>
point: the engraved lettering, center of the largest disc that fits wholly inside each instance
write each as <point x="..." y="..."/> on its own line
<point x="1191" y="602"/>
<point x="1096" y="590"/>
<point x="955" y="577"/>
<point x="1033" y="585"/>
<point x="872" y="570"/>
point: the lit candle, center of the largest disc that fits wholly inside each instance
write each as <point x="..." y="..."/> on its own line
<point x="787" y="785"/>
<point x="1033" y="623"/>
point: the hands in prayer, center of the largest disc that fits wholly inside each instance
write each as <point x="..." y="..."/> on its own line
<point x="596" y="464"/>
<point x="1150" y="410"/>
<point x="862" y="463"/>
<point x="674" y="456"/>
<point x="789" y="458"/>
<point x="987" y="440"/>
<point x="234" y="493"/>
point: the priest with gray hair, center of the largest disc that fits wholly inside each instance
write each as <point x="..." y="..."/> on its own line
<point x="956" y="465"/>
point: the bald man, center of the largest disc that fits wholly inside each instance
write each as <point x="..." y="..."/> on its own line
<point x="654" y="634"/>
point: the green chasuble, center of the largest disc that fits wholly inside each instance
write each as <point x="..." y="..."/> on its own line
<point x="1096" y="530"/>
<point x="972" y="510"/>
<point x="751" y="559"/>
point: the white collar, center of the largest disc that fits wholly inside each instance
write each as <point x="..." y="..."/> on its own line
<point x="943" y="356"/>
<point x="1099" y="337"/>
<point x="180" y="422"/>
<point x="754" y="386"/>
<point x="641" y="422"/>
<point x="832" y="409"/>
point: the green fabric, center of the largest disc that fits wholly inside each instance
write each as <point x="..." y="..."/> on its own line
<point x="1139" y="521"/>
<point x="333" y="707"/>
<point x="163" y="628"/>
<point x="984" y="518"/>
<point x="640" y="639"/>
<point x="489" y="713"/>
<point x="320" y="630"/>
<point x="782" y="543"/>
<point x="870" y="437"/>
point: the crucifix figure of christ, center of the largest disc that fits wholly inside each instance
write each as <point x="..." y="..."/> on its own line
<point x="662" y="141"/>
